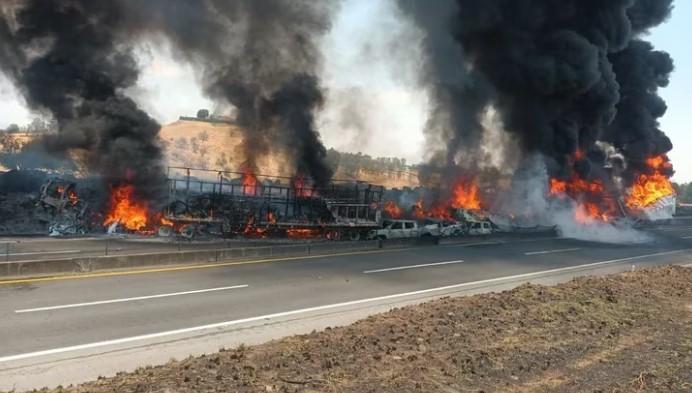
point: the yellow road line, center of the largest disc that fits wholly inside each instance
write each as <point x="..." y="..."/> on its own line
<point x="190" y="267"/>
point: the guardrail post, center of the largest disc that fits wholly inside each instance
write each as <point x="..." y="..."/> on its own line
<point x="379" y="243"/>
<point x="7" y="252"/>
<point x="108" y="241"/>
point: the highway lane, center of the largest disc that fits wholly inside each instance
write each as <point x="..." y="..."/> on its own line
<point x="45" y="315"/>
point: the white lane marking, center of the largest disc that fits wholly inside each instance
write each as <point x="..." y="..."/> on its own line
<point x="389" y="269"/>
<point x="226" y="324"/>
<point x="686" y="237"/>
<point x="552" y="251"/>
<point x="129" y="299"/>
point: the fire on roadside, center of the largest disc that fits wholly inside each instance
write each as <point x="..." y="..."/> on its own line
<point x="303" y="233"/>
<point x="249" y="181"/>
<point x="651" y="187"/>
<point x="593" y="203"/>
<point x="126" y="210"/>
<point x="392" y="209"/>
<point x="71" y="194"/>
<point x="251" y="230"/>
<point x="465" y="195"/>
<point x="301" y="188"/>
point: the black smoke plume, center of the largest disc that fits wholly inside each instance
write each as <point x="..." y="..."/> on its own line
<point x="640" y="71"/>
<point x="261" y="56"/>
<point x="73" y="58"/>
<point x="563" y="74"/>
<point x="459" y="94"/>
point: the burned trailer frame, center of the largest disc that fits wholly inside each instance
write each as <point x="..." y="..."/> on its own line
<point x="66" y="211"/>
<point x="220" y="202"/>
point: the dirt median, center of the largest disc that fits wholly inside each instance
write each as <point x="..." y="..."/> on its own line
<point x="630" y="332"/>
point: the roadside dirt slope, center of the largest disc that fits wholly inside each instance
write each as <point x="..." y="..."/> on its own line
<point x="625" y="333"/>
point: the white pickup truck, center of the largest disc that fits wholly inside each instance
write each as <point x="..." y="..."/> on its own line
<point x="399" y="229"/>
<point x="480" y="228"/>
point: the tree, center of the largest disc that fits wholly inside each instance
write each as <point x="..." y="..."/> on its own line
<point x="9" y="143"/>
<point x="37" y="125"/>
<point x="181" y="143"/>
<point x="13" y="128"/>
<point x="203" y="114"/>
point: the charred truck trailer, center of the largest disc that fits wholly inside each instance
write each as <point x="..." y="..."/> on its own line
<point x="245" y="204"/>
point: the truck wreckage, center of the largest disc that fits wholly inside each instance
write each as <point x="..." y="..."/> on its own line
<point x="58" y="199"/>
<point x="244" y="204"/>
<point x="211" y="203"/>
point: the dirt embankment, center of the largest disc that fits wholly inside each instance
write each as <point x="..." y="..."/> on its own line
<point x="626" y="333"/>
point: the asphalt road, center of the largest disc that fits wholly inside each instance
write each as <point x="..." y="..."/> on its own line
<point x="71" y="311"/>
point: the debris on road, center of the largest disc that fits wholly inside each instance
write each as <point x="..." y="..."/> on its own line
<point x="623" y="333"/>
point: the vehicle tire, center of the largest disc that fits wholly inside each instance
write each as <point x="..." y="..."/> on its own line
<point x="332" y="235"/>
<point x="354" y="236"/>
<point x="188" y="231"/>
<point x="165" y="231"/>
<point x="382" y="237"/>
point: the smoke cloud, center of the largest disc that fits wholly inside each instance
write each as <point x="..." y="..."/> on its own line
<point x="528" y="202"/>
<point x="562" y="75"/>
<point x="261" y="56"/>
<point x="73" y="59"/>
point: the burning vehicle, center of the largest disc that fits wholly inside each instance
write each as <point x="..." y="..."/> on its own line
<point x="249" y="205"/>
<point x="401" y="229"/>
<point x="503" y="87"/>
<point x="58" y="198"/>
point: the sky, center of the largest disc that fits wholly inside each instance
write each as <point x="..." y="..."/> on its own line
<point x="673" y="37"/>
<point x="373" y="102"/>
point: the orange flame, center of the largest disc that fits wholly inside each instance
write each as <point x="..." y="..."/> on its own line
<point x="72" y="196"/>
<point x="575" y="186"/>
<point x="301" y="189"/>
<point x="251" y="230"/>
<point x="303" y="233"/>
<point x="392" y="209"/>
<point x="418" y="210"/>
<point x="440" y="211"/>
<point x="649" y="188"/>
<point x="249" y="181"/>
<point x="271" y="217"/>
<point x="589" y="212"/>
<point x="593" y="204"/>
<point x="125" y="210"/>
<point x="465" y="195"/>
